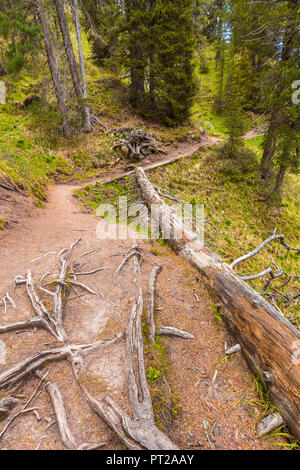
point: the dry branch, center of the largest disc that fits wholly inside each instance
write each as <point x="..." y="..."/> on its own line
<point x="267" y="338"/>
<point x="171" y="331"/>
<point x="254" y="252"/>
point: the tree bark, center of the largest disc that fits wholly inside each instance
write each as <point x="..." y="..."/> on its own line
<point x="268" y="340"/>
<point x="137" y="67"/>
<point x="280" y="179"/>
<point x="288" y="45"/>
<point x="68" y="47"/>
<point x="67" y="128"/>
<point x="268" y="154"/>
<point x="88" y="125"/>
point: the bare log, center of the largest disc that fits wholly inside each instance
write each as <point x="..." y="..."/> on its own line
<point x="268" y="340"/>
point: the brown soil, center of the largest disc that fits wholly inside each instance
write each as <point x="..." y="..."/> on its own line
<point x="212" y="416"/>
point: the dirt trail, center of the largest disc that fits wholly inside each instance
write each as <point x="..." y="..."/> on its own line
<point x="209" y="394"/>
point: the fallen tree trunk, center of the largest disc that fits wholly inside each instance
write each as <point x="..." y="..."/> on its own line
<point x="268" y="340"/>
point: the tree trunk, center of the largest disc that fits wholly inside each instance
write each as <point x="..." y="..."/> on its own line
<point x="279" y="180"/>
<point x="68" y="47"/>
<point x="268" y="154"/>
<point x="67" y="128"/>
<point x="137" y="66"/>
<point x="288" y="45"/>
<point x="268" y="340"/>
<point x="88" y="125"/>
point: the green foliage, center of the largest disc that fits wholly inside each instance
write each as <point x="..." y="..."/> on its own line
<point x="171" y="69"/>
<point x="22" y="35"/>
<point x="153" y="374"/>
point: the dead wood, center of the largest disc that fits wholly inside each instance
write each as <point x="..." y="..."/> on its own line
<point x="269" y="240"/>
<point x="171" y="331"/>
<point x="268" y="424"/>
<point x="267" y="339"/>
<point x="139" y="143"/>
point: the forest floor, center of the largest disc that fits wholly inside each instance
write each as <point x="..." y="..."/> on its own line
<point x="215" y="404"/>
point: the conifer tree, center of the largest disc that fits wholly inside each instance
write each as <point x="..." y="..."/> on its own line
<point x="172" y="43"/>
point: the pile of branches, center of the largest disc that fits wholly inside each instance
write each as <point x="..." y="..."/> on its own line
<point x="139" y="143"/>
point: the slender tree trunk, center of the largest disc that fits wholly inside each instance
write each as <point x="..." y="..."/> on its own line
<point x="88" y="125"/>
<point x="280" y="179"/>
<point x="68" y="47"/>
<point x="219" y="30"/>
<point x="67" y="128"/>
<point x="268" y="154"/>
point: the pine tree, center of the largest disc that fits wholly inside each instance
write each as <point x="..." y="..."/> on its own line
<point x="284" y="116"/>
<point x="172" y="43"/>
<point x="21" y="33"/>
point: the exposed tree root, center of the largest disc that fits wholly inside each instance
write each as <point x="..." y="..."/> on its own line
<point x="134" y="251"/>
<point x="151" y="303"/>
<point x="163" y="330"/>
<point x="55" y="395"/>
<point x="43" y="316"/>
<point x="24" y="408"/>
<point x="140" y="430"/>
<point x="22" y="368"/>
